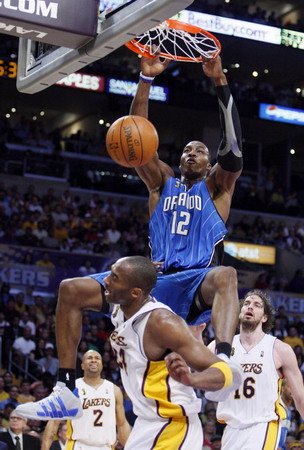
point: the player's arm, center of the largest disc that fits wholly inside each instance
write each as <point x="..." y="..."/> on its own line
<point x="155" y="173"/>
<point x="49" y="434"/>
<point x="229" y="156"/>
<point x="285" y="360"/>
<point x="123" y="426"/>
<point x="166" y="330"/>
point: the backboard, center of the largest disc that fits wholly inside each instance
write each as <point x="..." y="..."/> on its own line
<point x="40" y="67"/>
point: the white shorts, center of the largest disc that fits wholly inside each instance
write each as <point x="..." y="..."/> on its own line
<point x="76" y="445"/>
<point x="172" y="434"/>
<point x="261" y="436"/>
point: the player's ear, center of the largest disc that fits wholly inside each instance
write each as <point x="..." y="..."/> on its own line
<point x="264" y="318"/>
<point x="136" y="292"/>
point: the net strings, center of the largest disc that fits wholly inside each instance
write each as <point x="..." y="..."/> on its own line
<point x="176" y="43"/>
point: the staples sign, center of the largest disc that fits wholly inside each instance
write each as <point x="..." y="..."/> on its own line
<point x="83" y="81"/>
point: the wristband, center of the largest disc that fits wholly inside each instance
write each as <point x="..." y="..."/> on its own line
<point x="145" y="78"/>
<point x="226" y="371"/>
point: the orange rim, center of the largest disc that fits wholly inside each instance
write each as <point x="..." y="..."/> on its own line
<point x="139" y="48"/>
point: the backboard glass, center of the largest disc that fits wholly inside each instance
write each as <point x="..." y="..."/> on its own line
<point x="40" y="67"/>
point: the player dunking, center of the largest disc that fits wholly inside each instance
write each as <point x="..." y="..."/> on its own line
<point x="190" y="216"/>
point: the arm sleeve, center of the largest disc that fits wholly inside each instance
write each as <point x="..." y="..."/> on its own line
<point x="229" y="154"/>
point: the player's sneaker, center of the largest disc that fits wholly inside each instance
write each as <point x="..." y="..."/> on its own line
<point x="222" y="394"/>
<point x="62" y="403"/>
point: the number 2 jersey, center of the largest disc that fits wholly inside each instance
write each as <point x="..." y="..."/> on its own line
<point x="185" y="226"/>
<point x="258" y="398"/>
<point x="97" y="426"/>
<point x="154" y="394"/>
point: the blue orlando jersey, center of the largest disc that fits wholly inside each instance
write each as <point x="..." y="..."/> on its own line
<point x="185" y="226"/>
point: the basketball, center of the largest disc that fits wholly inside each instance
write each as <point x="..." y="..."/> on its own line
<point x="132" y="141"/>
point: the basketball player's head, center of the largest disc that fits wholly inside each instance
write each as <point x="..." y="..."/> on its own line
<point x="256" y="309"/>
<point x="195" y="161"/>
<point x="131" y="279"/>
<point x="92" y="363"/>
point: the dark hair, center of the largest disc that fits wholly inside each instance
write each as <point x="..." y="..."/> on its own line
<point x="268" y="308"/>
<point x="143" y="273"/>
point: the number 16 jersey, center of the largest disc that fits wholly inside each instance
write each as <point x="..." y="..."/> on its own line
<point x="258" y="398"/>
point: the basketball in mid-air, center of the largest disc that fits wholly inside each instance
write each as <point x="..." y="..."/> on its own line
<point x="132" y="141"/>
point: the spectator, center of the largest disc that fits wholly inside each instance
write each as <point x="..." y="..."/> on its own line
<point x="293" y="339"/>
<point x="28" y="296"/>
<point x="12" y="397"/>
<point x="23" y="346"/>
<point x="19" y="305"/>
<point x="26" y="322"/>
<point x="40" y="232"/>
<point x="86" y="268"/>
<point x="15" y="437"/>
<point x="6" y="413"/>
<point x="8" y="380"/>
<point x="216" y="442"/>
<point x="49" y="363"/>
<point x="45" y="261"/>
<point x="209" y="432"/>
<point x="3" y="394"/>
<point x="25" y="395"/>
<point x="297" y="282"/>
<point x="61" y="434"/>
<point x="28" y="239"/>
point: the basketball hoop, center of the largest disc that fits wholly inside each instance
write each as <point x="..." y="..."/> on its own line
<point x="176" y="40"/>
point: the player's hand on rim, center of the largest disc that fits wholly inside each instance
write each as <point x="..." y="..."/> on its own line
<point x="151" y="67"/>
<point x="213" y="67"/>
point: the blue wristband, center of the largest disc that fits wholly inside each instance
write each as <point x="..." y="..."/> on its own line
<point x="145" y="78"/>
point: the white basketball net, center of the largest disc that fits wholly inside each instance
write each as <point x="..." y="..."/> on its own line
<point x="176" y="44"/>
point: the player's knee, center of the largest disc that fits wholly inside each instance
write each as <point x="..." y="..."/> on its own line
<point x="226" y="278"/>
<point x="68" y="291"/>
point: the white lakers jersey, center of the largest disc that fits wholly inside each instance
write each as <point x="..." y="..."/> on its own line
<point x="97" y="426"/>
<point x="258" y="398"/>
<point x="153" y="392"/>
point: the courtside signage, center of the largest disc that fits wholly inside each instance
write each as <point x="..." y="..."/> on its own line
<point x="281" y="114"/>
<point x="260" y="254"/>
<point x="83" y="81"/>
<point x="128" y="88"/>
<point x="232" y="27"/>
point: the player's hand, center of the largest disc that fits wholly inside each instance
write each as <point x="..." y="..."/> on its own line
<point x="213" y="67"/>
<point x="178" y="368"/>
<point x="197" y="330"/>
<point x="151" y="67"/>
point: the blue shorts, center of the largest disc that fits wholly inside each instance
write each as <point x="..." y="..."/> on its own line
<point x="176" y="290"/>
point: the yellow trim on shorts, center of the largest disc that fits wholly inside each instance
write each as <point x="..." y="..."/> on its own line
<point x="271" y="437"/>
<point x="172" y="435"/>
<point x="226" y="371"/>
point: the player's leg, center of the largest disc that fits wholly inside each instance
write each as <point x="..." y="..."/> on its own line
<point x="219" y="290"/>
<point x="75" y="296"/>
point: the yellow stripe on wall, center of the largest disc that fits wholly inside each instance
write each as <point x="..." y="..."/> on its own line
<point x="156" y="387"/>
